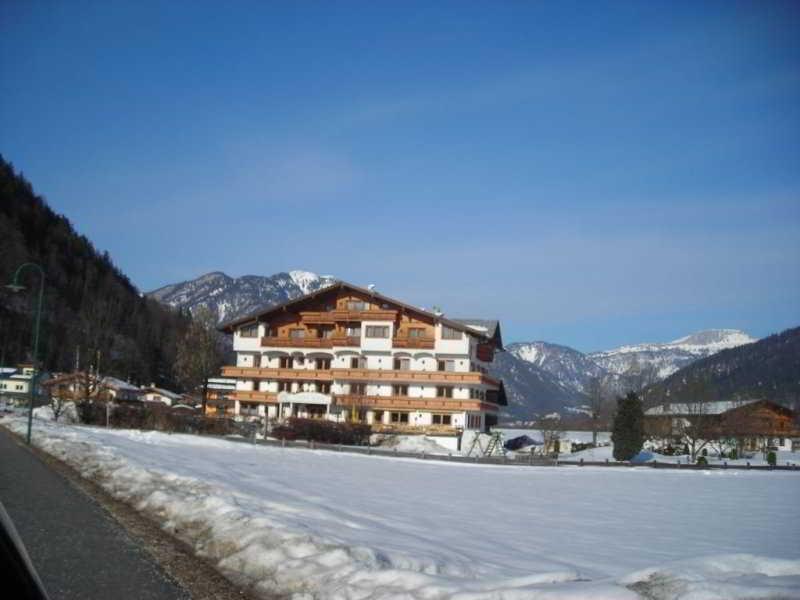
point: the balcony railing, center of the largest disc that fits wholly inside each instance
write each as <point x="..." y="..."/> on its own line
<point x="272" y="373"/>
<point x="361" y="375"/>
<point x="346" y="340"/>
<point x="413" y="342"/>
<point x="414" y="376"/>
<point x="409" y="403"/>
<point x="247" y="396"/>
<point x="302" y="342"/>
<point x="376" y="314"/>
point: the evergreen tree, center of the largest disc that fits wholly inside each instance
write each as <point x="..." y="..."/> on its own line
<point x="91" y="309"/>
<point x="627" y="432"/>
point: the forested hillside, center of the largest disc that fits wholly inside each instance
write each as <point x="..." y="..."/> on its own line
<point x="768" y="369"/>
<point x="91" y="309"/>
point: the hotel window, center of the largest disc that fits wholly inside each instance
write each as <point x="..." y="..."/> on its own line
<point x="249" y="409"/>
<point x="357" y="389"/>
<point x="399" y="390"/>
<point x="297" y="333"/>
<point x="377" y="331"/>
<point x="323" y="364"/>
<point x="286" y="362"/>
<point x="444" y="391"/>
<point x="448" y="333"/>
<point x="284" y="386"/>
<point x="402" y="364"/>
<point x="377" y="416"/>
<point x="358" y="362"/>
<point x="446" y="365"/>
<point x="325" y="333"/>
<point x="416" y="332"/>
<point x="249" y="331"/>
<point x="442" y="419"/>
<point x="324" y="387"/>
<point x="356" y="305"/>
<point x="271" y="332"/>
<point x="354" y="331"/>
<point x="399" y="417"/>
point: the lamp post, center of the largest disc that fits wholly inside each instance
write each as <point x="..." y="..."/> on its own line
<point x="15" y="286"/>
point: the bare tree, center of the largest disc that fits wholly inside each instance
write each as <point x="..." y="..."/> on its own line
<point x="58" y="401"/>
<point x="597" y="396"/>
<point x="199" y="353"/>
<point x="550" y="427"/>
<point x="697" y="425"/>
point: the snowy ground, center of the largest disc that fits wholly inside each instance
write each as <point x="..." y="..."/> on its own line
<point x="336" y="525"/>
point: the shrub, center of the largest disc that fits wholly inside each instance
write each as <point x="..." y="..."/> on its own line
<point x="704" y="452"/>
<point x="327" y="432"/>
<point x="772" y="459"/>
<point x="733" y="454"/>
<point x="702" y="460"/>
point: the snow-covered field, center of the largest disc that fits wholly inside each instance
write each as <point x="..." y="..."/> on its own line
<point x="337" y="525"/>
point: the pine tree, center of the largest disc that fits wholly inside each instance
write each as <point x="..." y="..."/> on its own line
<point x="627" y="432"/>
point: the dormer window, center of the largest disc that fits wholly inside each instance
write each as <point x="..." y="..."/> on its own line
<point x="249" y="331"/>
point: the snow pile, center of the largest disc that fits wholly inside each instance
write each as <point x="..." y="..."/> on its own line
<point x="69" y="413"/>
<point x="722" y="577"/>
<point x="413" y="443"/>
<point x="335" y="525"/>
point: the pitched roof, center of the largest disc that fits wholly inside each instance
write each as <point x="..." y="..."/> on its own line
<point x="162" y="392"/>
<point x="489" y="327"/>
<point x="228" y="326"/>
<point x="118" y="384"/>
<point x="697" y="408"/>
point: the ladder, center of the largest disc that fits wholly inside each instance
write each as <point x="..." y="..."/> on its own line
<point x="495" y="444"/>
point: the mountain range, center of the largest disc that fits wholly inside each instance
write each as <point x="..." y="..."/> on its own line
<point x="539" y="376"/>
<point x="231" y="297"/>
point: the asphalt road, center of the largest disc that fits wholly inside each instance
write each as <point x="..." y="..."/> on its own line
<point x="79" y="551"/>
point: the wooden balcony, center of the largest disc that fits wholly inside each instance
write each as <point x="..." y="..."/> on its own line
<point x="454" y="377"/>
<point x="317" y="317"/>
<point x="413" y="342"/>
<point x="363" y="315"/>
<point x="344" y="340"/>
<point x="281" y="374"/>
<point x="361" y="375"/>
<point x="409" y="403"/>
<point x="303" y="342"/>
<point x="245" y="396"/>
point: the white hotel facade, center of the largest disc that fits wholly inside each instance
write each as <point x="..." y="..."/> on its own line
<point x="349" y="353"/>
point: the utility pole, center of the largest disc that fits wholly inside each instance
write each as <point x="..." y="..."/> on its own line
<point x="15" y="286"/>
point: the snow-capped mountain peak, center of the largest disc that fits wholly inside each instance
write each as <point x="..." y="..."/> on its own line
<point x="717" y="339"/>
<point x="308" y="281"/>
<point x="231" y="297"/>
<point x="626" y="367"/>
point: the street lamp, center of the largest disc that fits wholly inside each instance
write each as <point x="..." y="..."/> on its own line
<point x="15" y="286"/>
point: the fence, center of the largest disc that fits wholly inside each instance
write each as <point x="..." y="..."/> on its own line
<point x="164" y="419"/>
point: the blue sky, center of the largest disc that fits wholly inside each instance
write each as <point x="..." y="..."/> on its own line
<point x="590" y="173"/>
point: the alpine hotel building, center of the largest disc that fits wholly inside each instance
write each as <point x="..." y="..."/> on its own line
<point x="349" y="353"/>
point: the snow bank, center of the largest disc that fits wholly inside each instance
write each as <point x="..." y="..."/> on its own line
<point x="721" y="577"/>
<point x="333" y="525"/>
<point x="69" y="413"/>
<point x="413" y="443"/>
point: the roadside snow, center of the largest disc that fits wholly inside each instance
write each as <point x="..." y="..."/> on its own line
<point x="69" y="414"/>
<point x="413" y="443"/>
<point x="333" y="525"/>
